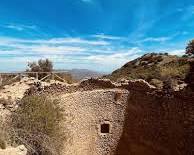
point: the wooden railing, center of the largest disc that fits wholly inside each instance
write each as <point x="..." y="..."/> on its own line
<point x="40" y="76"/>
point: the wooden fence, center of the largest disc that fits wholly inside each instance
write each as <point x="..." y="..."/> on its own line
<point x="40" y="76"/>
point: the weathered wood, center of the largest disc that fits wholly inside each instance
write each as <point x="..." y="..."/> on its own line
<point x="59" y="77"/>
<point x="52" y="76"/>
<point x="36" y="76"/>
<point x="21" y="74"/>
<point x="45" y="77"/>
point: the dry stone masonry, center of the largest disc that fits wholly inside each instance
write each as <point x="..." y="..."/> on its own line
<point x="126" y="118"/>
<point x="98" y="120"/>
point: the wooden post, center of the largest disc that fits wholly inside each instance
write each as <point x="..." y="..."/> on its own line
<point x="1" y="80"/>
<point x="20" y="76"/>
<point x="52" y="76"/>
<point x="36" y="75"/>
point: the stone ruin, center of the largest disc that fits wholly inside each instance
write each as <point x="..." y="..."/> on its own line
<point x="127" y="118"/>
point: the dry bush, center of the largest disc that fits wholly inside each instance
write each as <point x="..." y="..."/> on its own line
<point x="147" y="73"/>
<point x="174" y="70"/>
<point x="37" y="124"/>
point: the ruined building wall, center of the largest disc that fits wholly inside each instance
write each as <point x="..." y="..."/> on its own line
<point x="157" y="122"/>
<point x="148" y="122"/>
<point x="95" y="122"/>
<point x="158" y="125"/>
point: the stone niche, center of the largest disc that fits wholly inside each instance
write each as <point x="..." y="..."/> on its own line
<point x="105" y="128"/>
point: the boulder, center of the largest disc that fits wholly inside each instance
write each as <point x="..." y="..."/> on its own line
<point x="20" y="150"/>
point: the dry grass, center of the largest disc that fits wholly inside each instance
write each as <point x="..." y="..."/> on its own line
<point x="174" y="70"/>
<point x="37" y="125"/>
<point x="153" y="67"/>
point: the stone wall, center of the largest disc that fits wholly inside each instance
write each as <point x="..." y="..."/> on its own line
<point x="157" y="124"/>
<point x="88" y="111"/>
<point x="147" y="122"/>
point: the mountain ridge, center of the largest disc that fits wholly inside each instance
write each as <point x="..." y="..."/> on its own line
<point x="155" y="68"/>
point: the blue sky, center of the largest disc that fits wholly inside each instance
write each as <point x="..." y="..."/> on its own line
<point x="100" y="35"/>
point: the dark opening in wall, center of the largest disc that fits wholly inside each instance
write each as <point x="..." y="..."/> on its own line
<point x="105" y="128"/>
<point x="117" y="96"/>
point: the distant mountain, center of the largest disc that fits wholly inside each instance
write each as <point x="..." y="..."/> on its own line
<point x="79" y="74"/>
<point x="154" y="68"/>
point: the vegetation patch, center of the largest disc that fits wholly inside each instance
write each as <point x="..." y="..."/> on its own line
<point x="37" y="125"/>
<point x="154" y="68"/>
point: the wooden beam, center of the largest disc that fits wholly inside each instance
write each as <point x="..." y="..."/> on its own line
<point x="59" y="77"/>
<point x="45" y="77"/>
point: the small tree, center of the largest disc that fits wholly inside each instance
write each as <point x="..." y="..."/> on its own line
<point x="190" y="76"/>
<point x="190" y="48"/>
<point x="41" y="66"/>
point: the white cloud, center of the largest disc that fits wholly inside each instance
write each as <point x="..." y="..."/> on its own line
<point x="54" y="50"/>
<point x="65" y="51"/>
<point x="180" y="9"/>
<point x="188" y="13"/>
<point x="54" y="46"/>
<point x="116" y="59"/>
<point x="87" y="1"/>
<point x="66" y="40"/>
<point x="110" y="37"/>
<point x="156" y="39"/>
<point x="20" y="27"/>
<point x="176" y="52"/>
<point x="69" y="51"/>
<point x="15" y="27"/>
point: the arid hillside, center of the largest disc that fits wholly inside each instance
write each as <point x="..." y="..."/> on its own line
<point x="154" y="68"/>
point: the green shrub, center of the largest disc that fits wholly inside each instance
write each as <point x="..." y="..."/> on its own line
<point x="37" y="124"/>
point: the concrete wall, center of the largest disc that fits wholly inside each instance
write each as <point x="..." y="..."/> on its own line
<point x="87" y="110"/>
